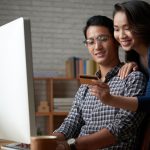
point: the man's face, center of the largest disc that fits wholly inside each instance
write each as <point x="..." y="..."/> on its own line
<point x="101" y="45"/>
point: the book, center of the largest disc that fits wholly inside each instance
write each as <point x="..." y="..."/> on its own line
<point x="90" y="67"/>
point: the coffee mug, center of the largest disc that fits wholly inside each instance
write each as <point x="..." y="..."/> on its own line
<point x="47" y="143"/>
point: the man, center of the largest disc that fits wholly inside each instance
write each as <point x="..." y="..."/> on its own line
<point x="90" y="124"/>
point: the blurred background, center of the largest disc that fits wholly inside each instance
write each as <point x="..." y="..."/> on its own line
<point x="56" y="27"/>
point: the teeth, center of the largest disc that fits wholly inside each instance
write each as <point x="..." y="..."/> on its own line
<point x="125" y="43"/>
<point x="100" y="54"/>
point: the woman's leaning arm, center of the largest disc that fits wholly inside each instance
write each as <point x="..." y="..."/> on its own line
<point x="128" y="103"/>
<point x="101" y="90"/>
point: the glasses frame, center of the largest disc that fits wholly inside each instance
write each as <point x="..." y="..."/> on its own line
<point x="100" y="38"/>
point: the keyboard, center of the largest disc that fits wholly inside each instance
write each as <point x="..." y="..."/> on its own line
<point x="15" y="146"/>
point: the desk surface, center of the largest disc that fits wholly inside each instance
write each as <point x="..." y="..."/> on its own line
<point x="3" y="142"/>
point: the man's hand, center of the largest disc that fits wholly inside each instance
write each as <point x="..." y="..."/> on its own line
<point x="60" y="136"/>
<point x="62" y="145"/>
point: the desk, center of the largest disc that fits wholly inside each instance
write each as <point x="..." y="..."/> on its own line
<point x="3" y="142"/>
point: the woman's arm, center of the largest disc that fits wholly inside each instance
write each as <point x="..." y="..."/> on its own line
<point x="101" y="90"/>
<point x="128" y="103"/>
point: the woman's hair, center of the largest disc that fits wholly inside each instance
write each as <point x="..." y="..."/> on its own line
<point x="132" y="55"/>
<point x="138" y="16"/>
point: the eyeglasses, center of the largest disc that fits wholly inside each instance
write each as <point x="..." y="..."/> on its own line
<point x="100" y="38"/>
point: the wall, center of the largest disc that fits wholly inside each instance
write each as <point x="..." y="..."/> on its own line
<point x="56" y="27"/>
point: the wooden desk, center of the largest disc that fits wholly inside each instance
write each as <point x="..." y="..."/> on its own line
<point x="3" y="142"/>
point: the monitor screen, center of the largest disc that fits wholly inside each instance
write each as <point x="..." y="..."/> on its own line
<point x="17" y="109"/>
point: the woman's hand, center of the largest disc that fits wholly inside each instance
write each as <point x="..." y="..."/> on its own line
<point x="101" y="91"/>
<point x="127" y="68"/>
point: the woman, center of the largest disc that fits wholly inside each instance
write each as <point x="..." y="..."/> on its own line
<point x="132" y="31"/>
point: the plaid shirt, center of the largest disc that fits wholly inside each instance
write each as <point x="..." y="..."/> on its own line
<point x="89" y="115"/>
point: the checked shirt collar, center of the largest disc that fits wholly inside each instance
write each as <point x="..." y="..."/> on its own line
<point x="111" y="73"/>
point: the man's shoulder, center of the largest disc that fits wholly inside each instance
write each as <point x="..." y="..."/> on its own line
<point x="138" y="76"/>
<point x="136" y="73"/>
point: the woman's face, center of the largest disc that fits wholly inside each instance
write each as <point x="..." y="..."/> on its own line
<point x="123" y="32"/>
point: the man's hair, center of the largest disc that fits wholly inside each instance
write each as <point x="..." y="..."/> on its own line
<point x="138" y="16"/>
<point x="99" y="21"/>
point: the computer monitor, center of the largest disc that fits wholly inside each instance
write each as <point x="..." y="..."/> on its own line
<point x="17" y="109"/>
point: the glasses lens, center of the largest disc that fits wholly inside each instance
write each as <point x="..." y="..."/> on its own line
<point x="100" y="38"/>
<point x="89" y="41"/>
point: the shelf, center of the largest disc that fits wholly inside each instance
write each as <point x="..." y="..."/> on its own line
<point x="60" y="113"/>
<point x="50" y="90"/>
<point x="43" y="113"/>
